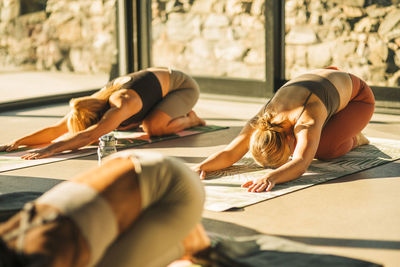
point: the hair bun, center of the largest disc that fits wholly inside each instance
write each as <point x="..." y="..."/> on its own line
<point x="264" y="123"/>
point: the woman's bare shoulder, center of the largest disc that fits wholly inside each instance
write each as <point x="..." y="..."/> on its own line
<point x="288" y="98"/>
<point x="314" y="115"/>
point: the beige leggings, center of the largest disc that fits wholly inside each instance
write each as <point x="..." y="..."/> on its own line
<point x="172" y="202"/>
<point x="183" y="95"/>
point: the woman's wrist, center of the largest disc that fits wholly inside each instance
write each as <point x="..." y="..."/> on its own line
<point x="270" y="178"/>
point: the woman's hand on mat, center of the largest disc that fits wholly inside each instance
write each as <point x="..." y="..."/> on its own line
<point x="199" y="171"/>
<point x="9" y="148"/>
<point x="38" y="154"/>
<point x="259" y="185"/>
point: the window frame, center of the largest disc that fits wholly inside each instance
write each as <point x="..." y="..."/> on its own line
<point x="387" y="98"/>
<point x="140" y="12"/>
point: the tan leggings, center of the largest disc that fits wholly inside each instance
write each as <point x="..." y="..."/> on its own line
<point x="183" y="95"/>
<point x="172" y="202"/>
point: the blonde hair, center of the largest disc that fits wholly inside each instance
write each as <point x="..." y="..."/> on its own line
<point x="88" y="110"/>
<point x="268" y="144"/>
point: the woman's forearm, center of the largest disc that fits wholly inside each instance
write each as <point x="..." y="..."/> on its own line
<point x="43" y="136"/>
<point x="217" y="161"/>
<point x="110" y="120"/>
<point x="231" y="154"/>
<point x="72" y="143"/>
<point x="288" y="172"/>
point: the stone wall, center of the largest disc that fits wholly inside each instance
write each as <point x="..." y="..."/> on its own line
<point x="69" y="35"/>
<point x="360" y="36"/>
<point x="210" y="37"/>
<point x="226" y="37"/>
<point x="223" y="38"/>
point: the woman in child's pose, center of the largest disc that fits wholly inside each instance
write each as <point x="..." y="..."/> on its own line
<point x="317" y="115"/>
<point x="159" y="99"/>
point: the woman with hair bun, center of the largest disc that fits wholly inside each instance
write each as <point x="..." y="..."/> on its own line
<point x="319" y="114"/>
<point x="159" y="99"/>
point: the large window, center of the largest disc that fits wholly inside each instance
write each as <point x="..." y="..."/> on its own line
<point x="362" y="37"/>
<point x="242" y="47"/>
<point x="55" y="46"/>
<point x="228" y="46"/>
<point x="210" y="38"/>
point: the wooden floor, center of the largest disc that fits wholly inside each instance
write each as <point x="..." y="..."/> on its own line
<point x="356" y="216"/>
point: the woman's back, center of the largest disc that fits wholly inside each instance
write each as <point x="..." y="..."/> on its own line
<point x="341" y="80"/>
<point x="332" y="89"/>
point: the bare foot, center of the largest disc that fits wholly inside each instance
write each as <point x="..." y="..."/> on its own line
<point x="196" y="241"/>
<point x="361" y="140"/>
<point x="195" y="120"/>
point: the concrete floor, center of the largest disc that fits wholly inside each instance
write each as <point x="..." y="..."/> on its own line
<point x="356" y="216"/>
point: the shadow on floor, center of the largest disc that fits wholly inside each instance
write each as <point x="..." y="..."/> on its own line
<point x="235" y="230"/>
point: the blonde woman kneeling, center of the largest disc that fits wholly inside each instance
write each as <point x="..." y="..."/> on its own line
<point x="317" y="115"/>
<point x="159" y="99"/>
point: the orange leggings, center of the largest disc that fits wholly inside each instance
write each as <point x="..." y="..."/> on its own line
<point x="339" y="134"/>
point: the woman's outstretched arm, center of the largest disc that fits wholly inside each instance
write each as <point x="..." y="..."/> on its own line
<point x="121" y="109"/>
<point x="110" y="121"/>
<point x="40" y="137"/>
<point x="233" y="152"/>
